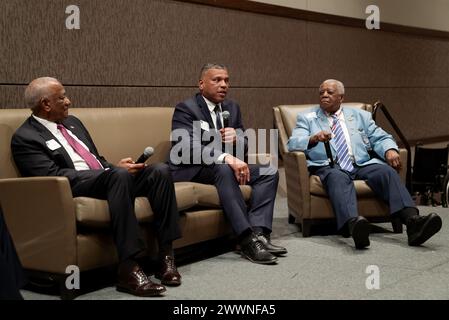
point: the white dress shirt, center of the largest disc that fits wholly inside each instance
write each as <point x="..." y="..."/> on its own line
<point x="78" y="162"/>
<point x="213" y="115"/>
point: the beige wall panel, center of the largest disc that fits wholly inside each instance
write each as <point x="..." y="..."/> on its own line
<point x="430" y="14"/>
<point x="256" y="103"/>
<point x="365" y="58"/>
<point x="355" y="56"/>
<point x="148" y="52"/>
<point x="418" y="62"/>
<point x="11" y="96"/>
<point x="420" y="113"/>
<point x="88" y="97"/>
<point x="139" y="42"/>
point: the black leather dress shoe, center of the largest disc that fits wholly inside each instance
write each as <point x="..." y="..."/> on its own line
<point x="137" y="283"/>
<point x="254" y="250"/>
<point x="271" y="248"/>
<point x="168" y="273"/>
<point x="359" y="229"/>
<point x="422" y="228"/>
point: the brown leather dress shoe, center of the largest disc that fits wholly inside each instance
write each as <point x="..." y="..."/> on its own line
<point x="168" y="273"/>
<point x="137" y="283"/>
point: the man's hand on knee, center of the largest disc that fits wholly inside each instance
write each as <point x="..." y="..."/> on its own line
<point x="240" y="168"/>
<point x="130" y="165"/>
<point x="393" y="159"/>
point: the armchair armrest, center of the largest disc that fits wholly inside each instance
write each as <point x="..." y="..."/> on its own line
<point x="262" y="159"/>
<point x="298" y="188"/>
<point x="283" y="137"/>
<point x="40" y="215"/>
<point x="403" y="157"/>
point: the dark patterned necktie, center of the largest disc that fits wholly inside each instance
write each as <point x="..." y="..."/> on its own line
<point x="217" y="117"/>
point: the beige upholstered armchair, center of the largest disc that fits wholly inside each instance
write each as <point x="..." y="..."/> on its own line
<point x="308" y="203"/>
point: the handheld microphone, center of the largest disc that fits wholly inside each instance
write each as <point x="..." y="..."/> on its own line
<point x="329" y="153"/>
<point x="226" y="115"/>
<point x="148" y="152"/>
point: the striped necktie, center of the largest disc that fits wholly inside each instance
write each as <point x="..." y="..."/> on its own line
<point x="91" y="161"/>
<point x="344" y="160"/>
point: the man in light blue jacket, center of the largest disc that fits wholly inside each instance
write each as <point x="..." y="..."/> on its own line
<point x="360" y="150"/>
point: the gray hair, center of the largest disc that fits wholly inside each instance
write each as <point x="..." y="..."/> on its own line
<point x="338" y="84"/>
<point x="209" y="66"/>
<point x="37" y="89"/>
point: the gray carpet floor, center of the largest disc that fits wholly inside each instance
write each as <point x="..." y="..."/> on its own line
<point x="318" y="267"/>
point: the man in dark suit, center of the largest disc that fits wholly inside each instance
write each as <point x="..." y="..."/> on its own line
<point x="354" y="138"/>
<point x="207" y="144"/>
<point x="52" y="143"/>
<point x="11" y="273"/>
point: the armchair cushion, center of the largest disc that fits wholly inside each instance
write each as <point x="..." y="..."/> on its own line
<point x="94" y="213"/>
<point x="361" y="188"/>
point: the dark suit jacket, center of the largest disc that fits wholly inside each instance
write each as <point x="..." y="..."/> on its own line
<point x="195" y="109"/>
<point x="34" y="158"/>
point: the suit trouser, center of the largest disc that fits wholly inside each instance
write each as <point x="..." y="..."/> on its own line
<point x="11" y="273"/>
<point x="120" y="188"/>
<point x="382" y="179"/>
<point x="263" y="194"/>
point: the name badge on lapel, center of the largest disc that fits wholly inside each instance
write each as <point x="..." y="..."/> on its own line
<point x="204" y="125"/>
<point x="52" y="144"/>
<point x="311" y="115"/>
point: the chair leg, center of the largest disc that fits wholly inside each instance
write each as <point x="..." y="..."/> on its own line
<point x="397" y="225"/>
<point x="291" y="219"/>
<point x="445" y="195"/>
<point x="306" y="228"/>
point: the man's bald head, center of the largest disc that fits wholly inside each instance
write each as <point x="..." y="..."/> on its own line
<point x="38" y="89"/>
<point x="331" y="95"/>
<point x="338" y="84"/>
<point x="46" y="98"/>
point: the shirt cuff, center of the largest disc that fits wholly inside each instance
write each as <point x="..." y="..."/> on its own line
<point x="221" y="157"/>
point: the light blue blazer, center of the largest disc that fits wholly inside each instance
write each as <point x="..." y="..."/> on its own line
<point x="364" y="134"/>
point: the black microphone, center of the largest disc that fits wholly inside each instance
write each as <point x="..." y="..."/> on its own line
<point x="329" y="153"/>
<point x="226" y="115"/>
<point x="148" y="152"/>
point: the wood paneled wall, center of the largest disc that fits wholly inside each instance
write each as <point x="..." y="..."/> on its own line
<point x="148" y="53"/>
